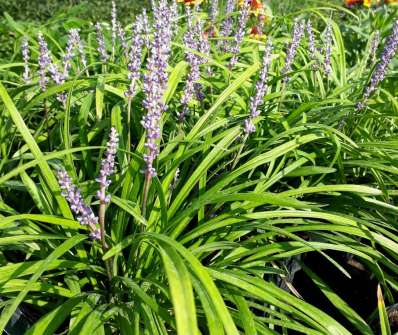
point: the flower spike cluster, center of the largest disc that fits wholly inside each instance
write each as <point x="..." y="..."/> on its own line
<point x="134" y="55"/>
<point x="101" y="43"/>
<point x="83" y="212"/>
<point x="261" y="89"/>
<point x="155" y="81"/>
<point x="374" y="44"/>
<point x="298" y="32"/>
<point x="107" y="166"/>
<point x="44" y="62"/>
<point x="25" y="57"/>
<point x="74" y="44"/>
<point x="114" y="26"/>
<point x="195" y="40"/>
<point x="226" y="27"/>
<point x="389" y="51"/>
<point x="240" y="33"/>
<point x="311" y="44"/>
<point x="328" y="49"/>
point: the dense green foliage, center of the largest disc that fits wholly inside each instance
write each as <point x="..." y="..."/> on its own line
<point x="218" y="248"/>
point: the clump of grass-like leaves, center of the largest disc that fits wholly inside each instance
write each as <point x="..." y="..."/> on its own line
<point x="173" y="175"/>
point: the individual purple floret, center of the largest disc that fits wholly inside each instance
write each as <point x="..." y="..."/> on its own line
<point x="374" y="44"/>
<point x="328" y="49"/>
<point x="114" y="26"/>
<point x="107" y="166"/>
<point x="134" y="56"/>
<point x="155" y="82"/>
<point x="240" y="33"/>
<point x="84" y="214"/>
<point x="101" y="43"/>
<point x="380" y="71"/>
<point x="311" y="44"/>
<point x="261" y="89"/>
<point x="44" y="61"/>
<point x="226" y="27"/>
<point x="298" y="31"/>
<point x="25" y="57"/>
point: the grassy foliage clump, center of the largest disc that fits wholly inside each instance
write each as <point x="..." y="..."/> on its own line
<point x="201" y="170"/>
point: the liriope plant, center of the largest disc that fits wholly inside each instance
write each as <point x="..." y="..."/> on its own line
<point x="230" y="160"/>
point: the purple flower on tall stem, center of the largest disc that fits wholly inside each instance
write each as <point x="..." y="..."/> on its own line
<point x="101" y="43"/>
<point x="191" y="41"/>
<point x="328" y="49"/>
<point x="84" y="213"/>
<point x="380" y="71"/>
<point x="123" y="41"/>
<point x="261" y="89"/>
<point x="134" y="56"/>
<point x="114" y="27"/>
<point x="146" y="28"/>
<point x="194" y="39"/>
<point x="226" y="27"/>
<point x="44" y="62"/>
<point x="240" y="33"/>
<point x="298" y="32"/>
<point x="68" y="56"/>
<point x="374" y="44"/>
<point x="311" y="44"/>
<point x="155" y="84"/>
<point x="25" y="57"/>
<point x="107" y="166"/>
<point x="213" y="11"/>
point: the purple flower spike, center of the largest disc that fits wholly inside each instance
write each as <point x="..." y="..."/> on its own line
<point x="84" y="213"/>
<point x="155" y="81"/>
<point x="226" y="27"/>
<point x="374" y="44"/>
<point x="311" y="45"/>
<point x="114" y="26"/>
<point x="380" y="72"/>
<point x="213" y="11"/>
<point x="101" y="43"/>
<point x="134" y="56"/>
<point x="298" y="32"/>
<point x="261" y="89"/>
<point x="193" y="39"/>
<point x="146" y="28"/>
<point x="44" y="62"/>
<point x="122" y="36"/>
<point x="240" y="33"/>
<point x="107" y="166"/>
<point x="328" y="49"/>
<point x="25" y="57"/>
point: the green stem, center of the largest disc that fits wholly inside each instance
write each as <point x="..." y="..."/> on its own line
<point x="105" y="248"/>
<point x="147" y="183"/>
<point x="128" y="125"/>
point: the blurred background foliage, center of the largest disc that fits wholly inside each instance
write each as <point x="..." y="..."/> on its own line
<point x="43" y="10"/>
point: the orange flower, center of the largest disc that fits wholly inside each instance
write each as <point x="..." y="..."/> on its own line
<point x="350" y="3"/>
<point x="256" y="33"/>
<point x="367" y="3"/>
<point x="190" y="2"/>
